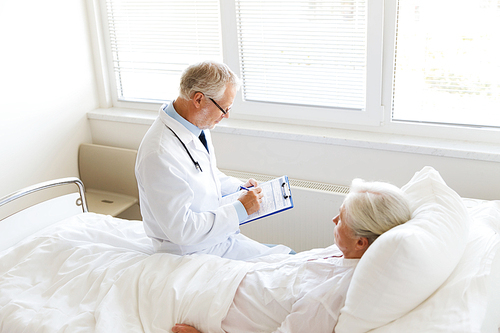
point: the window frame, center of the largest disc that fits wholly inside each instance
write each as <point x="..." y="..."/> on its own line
<point x="311" y="115"/>
<point x="449" y="132"/>
<point x="380" y="64"/>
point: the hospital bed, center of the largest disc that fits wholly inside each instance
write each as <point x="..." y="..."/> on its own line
<point x="63" y="268"/>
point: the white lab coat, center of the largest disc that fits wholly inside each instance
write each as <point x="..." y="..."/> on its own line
<point x="180" y="204"/>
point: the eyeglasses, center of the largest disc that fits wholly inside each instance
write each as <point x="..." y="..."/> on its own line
<point x="217" y="105"/>
<point x="223" y="111"/>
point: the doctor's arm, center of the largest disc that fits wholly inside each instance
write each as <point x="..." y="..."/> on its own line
<point x="251" y="200"/>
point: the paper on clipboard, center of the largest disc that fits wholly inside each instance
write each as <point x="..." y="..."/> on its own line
<point x="277" y="198"/>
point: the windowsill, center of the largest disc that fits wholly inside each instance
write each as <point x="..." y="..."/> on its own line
<point x="358" y="139"/>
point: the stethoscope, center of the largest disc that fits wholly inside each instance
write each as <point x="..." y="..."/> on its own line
<point x="196" y="164"/>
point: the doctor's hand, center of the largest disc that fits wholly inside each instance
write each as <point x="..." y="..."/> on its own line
<point x="251" y="199"/>
<point x="251" y="183"/>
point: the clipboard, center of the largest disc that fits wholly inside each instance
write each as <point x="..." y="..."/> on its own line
<point x="277" y="198"/>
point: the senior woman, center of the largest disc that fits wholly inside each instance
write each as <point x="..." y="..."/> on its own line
<point x="305" y="292"/>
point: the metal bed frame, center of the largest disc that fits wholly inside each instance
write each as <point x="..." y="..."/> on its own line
<point x="48" y="184"/>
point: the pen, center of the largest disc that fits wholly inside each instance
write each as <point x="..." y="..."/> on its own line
<point x="244" y="188"/>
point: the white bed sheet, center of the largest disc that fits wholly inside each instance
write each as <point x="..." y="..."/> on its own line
<point x="104" y="277"/>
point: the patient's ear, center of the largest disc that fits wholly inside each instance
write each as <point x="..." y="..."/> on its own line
<point x="362" y="244"/>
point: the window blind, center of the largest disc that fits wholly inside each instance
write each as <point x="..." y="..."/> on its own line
<point x="153" y="41"/>
<point x="303" y="52"/>
<point x="448" y="68"/>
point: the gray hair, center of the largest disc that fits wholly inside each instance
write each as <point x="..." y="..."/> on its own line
<point x="208" y="77"/>
<point x="373" y="208"/>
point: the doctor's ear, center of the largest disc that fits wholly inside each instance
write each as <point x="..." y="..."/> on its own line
<point x="197" y="97"/>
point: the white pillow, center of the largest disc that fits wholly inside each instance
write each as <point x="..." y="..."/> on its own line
<point x="469" y="300"/>
<point x="405" y="265"/>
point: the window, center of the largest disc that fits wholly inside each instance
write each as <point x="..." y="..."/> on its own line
<point x="307" y="62"/>
<point x="448" y="66"/>
<point x="387" y="64"/>
<point x="302" y="58"/>
<point x="151" y="42"/>
<point x="303" y="52"/>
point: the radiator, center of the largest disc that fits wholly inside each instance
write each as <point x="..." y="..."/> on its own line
<point x="306" y="226"/>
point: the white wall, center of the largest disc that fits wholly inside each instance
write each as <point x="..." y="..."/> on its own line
<point x="329" y="163"/>
<point x="47" y="85"/>
<point x="336" y="164"/>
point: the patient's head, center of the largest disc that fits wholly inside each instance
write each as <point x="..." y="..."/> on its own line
<point x="369" y="210"/>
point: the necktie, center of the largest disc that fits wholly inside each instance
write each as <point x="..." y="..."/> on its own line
<point x="203" y="140"/>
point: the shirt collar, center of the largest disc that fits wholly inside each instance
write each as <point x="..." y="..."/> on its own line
<point x="169" y="109"/>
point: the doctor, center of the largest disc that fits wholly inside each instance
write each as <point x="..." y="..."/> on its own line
<point x="179" y="184"/>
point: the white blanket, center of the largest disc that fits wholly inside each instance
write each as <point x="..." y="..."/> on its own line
<point x="93" y="273"/>
<point x="98" y="273"/>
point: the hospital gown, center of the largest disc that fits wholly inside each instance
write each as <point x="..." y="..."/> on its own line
<point x="303" y="293"/>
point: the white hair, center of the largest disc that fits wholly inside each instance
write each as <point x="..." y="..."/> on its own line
<point x="209" y="78"/>
<point x="373" y="208"/>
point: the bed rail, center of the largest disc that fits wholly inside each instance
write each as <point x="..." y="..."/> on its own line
<point x="48" y="184"/>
